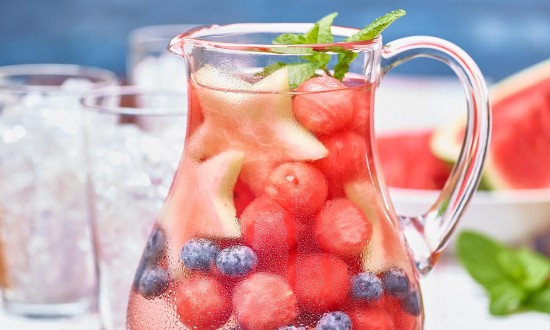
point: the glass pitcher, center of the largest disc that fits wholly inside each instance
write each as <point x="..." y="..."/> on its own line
<point x="278" y="216"/>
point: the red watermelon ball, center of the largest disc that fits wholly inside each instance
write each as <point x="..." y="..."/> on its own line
<point x="341" y="228"/>
<point x="264" y="301"/>
<point x="299" y="187"/>
<point x="268" y="228"/>
<point x="202" y="302"/>
<point x="370" y="318"/>
<point x="346" y="157"/>
<point x="325" y="106"/>
<point x="322" y="282"/>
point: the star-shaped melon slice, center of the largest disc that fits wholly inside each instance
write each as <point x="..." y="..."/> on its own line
<point x="200" y="202"/>
<point x="385" y="249"/>
<point x="254" y="118"/>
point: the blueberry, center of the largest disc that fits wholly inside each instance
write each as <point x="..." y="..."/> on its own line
<point x="334" y="321"/>
<point x="155" y="246"/>
<point x="199" y="254"/>
<point x="366" y="286"/>
<point x="153" y="282"/>
<point x="411" y="303"/>
<point x="153" y="252"/>
<point x="236" y="260"/>
<point x="395" y="282"/>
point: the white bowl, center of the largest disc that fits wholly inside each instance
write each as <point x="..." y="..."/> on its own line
<point x="512" y="217"/>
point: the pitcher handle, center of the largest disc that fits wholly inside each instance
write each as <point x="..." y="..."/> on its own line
<point x="428" y="234"/>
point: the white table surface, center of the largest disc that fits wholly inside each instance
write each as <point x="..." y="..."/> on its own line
<point x="451" y="299"/>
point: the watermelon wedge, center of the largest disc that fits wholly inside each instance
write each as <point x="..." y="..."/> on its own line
<point x="200" y="202"/>
<point x="408" y="162"/>
<point x="519" y="154"/>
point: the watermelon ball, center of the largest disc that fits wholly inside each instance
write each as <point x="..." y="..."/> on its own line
<point x="299" y="187"/>
<point x="324" y="105"/>
<point x="371" y="319"/>
<point x="395" y="282"/>
<point x="366" y="286"/>
<point x="264" y="301"/>
<point x="153" y="282"/>
<point x="322" y="282"/>
<point x="346" y="157"/>
<point x="292" y="327"/>
<point x="236" y="261"/>
<point x="334" y="321"/>
<point x="268" y="228"/>
<point x="342" y="228"/>
<point x="199" y="254"/>
<point x="411" y="303"/>
<point x="202" y="302"/>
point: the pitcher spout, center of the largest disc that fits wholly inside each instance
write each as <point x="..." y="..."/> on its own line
<point x="176" y="45"/>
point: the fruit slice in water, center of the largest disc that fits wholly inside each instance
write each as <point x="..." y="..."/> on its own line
<point x="254" y="118"/>
<point x="408" y="162"/>
<point x="518" y="156"/>
<point x="200" y="203"/>
<point x="384" y="250"/>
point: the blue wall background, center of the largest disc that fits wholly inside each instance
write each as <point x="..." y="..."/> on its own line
<point x="503" y="36"/>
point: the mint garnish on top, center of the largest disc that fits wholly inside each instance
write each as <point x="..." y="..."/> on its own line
<point x="516" y="280"/>
<point x="321" y="33"/>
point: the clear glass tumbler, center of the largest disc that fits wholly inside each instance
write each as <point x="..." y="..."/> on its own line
<point x="149" y="62"/>
<point x="134" y="138"/>
<point x="46" y="253"/>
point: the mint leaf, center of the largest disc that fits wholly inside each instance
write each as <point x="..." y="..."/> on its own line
<point x="511" y="264"/>
<point x="325" y="24"/>
<point x="289" y="39"/>
<point x="539" y="301"/>
<point x="318" y="57"/>
<point x="479" y="255"/>
<point x="345" y="57"/>
<point x="321" y="33"/>
<point x="536" y="269"/>
<point x="300" y="72"/>
<point x="506" y="298"/>
<point x="312" y="35"/>
<point x="372" y="30"/>
<point x="270" y="69"/>
<point x="515" y="279"/>
<point x="369" y="32"/>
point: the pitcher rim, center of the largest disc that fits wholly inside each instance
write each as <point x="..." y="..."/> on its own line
<point x="195" y="37"/>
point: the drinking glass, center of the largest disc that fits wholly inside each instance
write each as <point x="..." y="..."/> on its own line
<point x="48" y="267"/>
<point x="134" y="137"/>
<point x="149" y="62"/>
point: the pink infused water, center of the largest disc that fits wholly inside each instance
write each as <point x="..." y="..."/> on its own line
<point x="275" y="218"/>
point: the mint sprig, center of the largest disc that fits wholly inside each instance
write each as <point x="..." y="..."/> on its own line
<point x="321" y="33"/>
<point x="516" y="280"/>
<point x="372" y="30"/>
